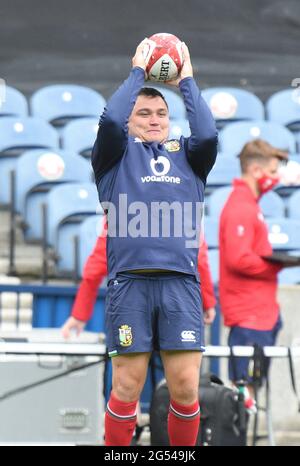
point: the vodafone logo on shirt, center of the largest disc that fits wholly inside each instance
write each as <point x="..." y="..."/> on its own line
<point x="160" y="168"/>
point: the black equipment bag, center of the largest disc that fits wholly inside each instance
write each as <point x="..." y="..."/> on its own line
<point x="223" y="415"/>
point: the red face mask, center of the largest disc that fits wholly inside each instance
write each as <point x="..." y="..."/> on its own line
<point x="266" y="183"/>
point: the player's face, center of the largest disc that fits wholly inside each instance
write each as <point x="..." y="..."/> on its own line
<point x="271" y="169"/>
<point x="149" y="119"/>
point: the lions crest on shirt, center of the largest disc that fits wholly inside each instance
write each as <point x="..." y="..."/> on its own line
<point x="172" y="146"/>
<point x="125" y="335"/>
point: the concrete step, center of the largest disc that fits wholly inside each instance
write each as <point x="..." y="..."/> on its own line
<point x="11" y="326"/>
<point x="23" y="251"/>
<point x="5" y="280"/>
<point x="4" y="237"/>
<point x="26" y="267"/>
<point x="10" y="300"/>
<point x="31" y="267"/>
<point x="3" y="266"/>
<point x="28" y="257"/>
<point x="5" y="228"/>
<point x="4" y="220"/>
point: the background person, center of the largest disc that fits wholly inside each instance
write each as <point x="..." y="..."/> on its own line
<point x="248" y="282"/>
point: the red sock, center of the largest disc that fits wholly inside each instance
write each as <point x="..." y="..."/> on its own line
<point x="120" y="421"/>
<point x="183" y="424"/>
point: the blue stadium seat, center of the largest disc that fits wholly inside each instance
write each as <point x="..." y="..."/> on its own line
<point x="230" y="104"/>
<point x="290" y="275"/>
<point x="213" y="260"/>
<point x="15" y="103"/>
<point x="272" y="205"/>
<point x="88" y="232"/>
<point x="297" y="137"/>
<point x="179" y="128"/>
<point x="38" y="171"/>
<point x="61" y="102"/>
<point x="216" y="201"/>
<point x="67" y="200"/>
<point x="80" y="135"/>
<point x="233" y="137"/>
<point x="224" y="171"/>
<point x="284" y="233"/>
<point x="17" y="135"/>
<point x="211" y="232"/>
<point x="175" y="103"/>
<point x="293" y="204"/>
<point x="295" y="157"/>
<point x="68" y="205"/>
<point x="284" y="107"/>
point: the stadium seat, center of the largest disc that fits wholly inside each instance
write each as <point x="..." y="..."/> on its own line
<point x="16" y="136"/>
<point x="79" y="135"/>
<point x="211" y="232"/>
<point x="272" y="205"/>
<point x="284" y="107"/>
<point x="293" y="204"/>
<point x="297" y="137"/>
<point x="215" y="202"/>
<point x="67" y="206"/>
<point x="284" y="233"/>
<point x="61" y="102"/>
<point x="178" y="128"/>
<point x="88" y="232"/>
<point x="213" y="260"/>
<point x="38" y="171"/>
<point x="230" y="104"/>
<point x="224" y="171"/>
<point x="295" y="158"/>
<point x="233" y="137"/>
<point x="290" y="275"/>
<point x="15" y="103"/>
<point x="175" y="103"/>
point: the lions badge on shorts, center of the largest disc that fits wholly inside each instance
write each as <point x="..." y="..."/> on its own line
<point x="125" y="335"/>
<point x="172" y="146"/>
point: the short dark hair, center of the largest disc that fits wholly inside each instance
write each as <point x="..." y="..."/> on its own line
<point x="152" y="92"/>
<point x="261" y="152"/>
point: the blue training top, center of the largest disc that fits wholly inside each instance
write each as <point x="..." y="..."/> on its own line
<point x="153" y="193"/>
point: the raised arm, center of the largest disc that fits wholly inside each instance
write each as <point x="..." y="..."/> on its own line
<point x="113" y="133"/>
<point x="202" y="144"/>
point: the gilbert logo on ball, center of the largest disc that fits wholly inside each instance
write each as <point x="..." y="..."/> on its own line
<point x="2" y="91"/>
<point x="163" y="56"/>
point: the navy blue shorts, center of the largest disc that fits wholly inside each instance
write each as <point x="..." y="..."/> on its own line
<point x="157" y="312"/>
<point x="240" y="336"/>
